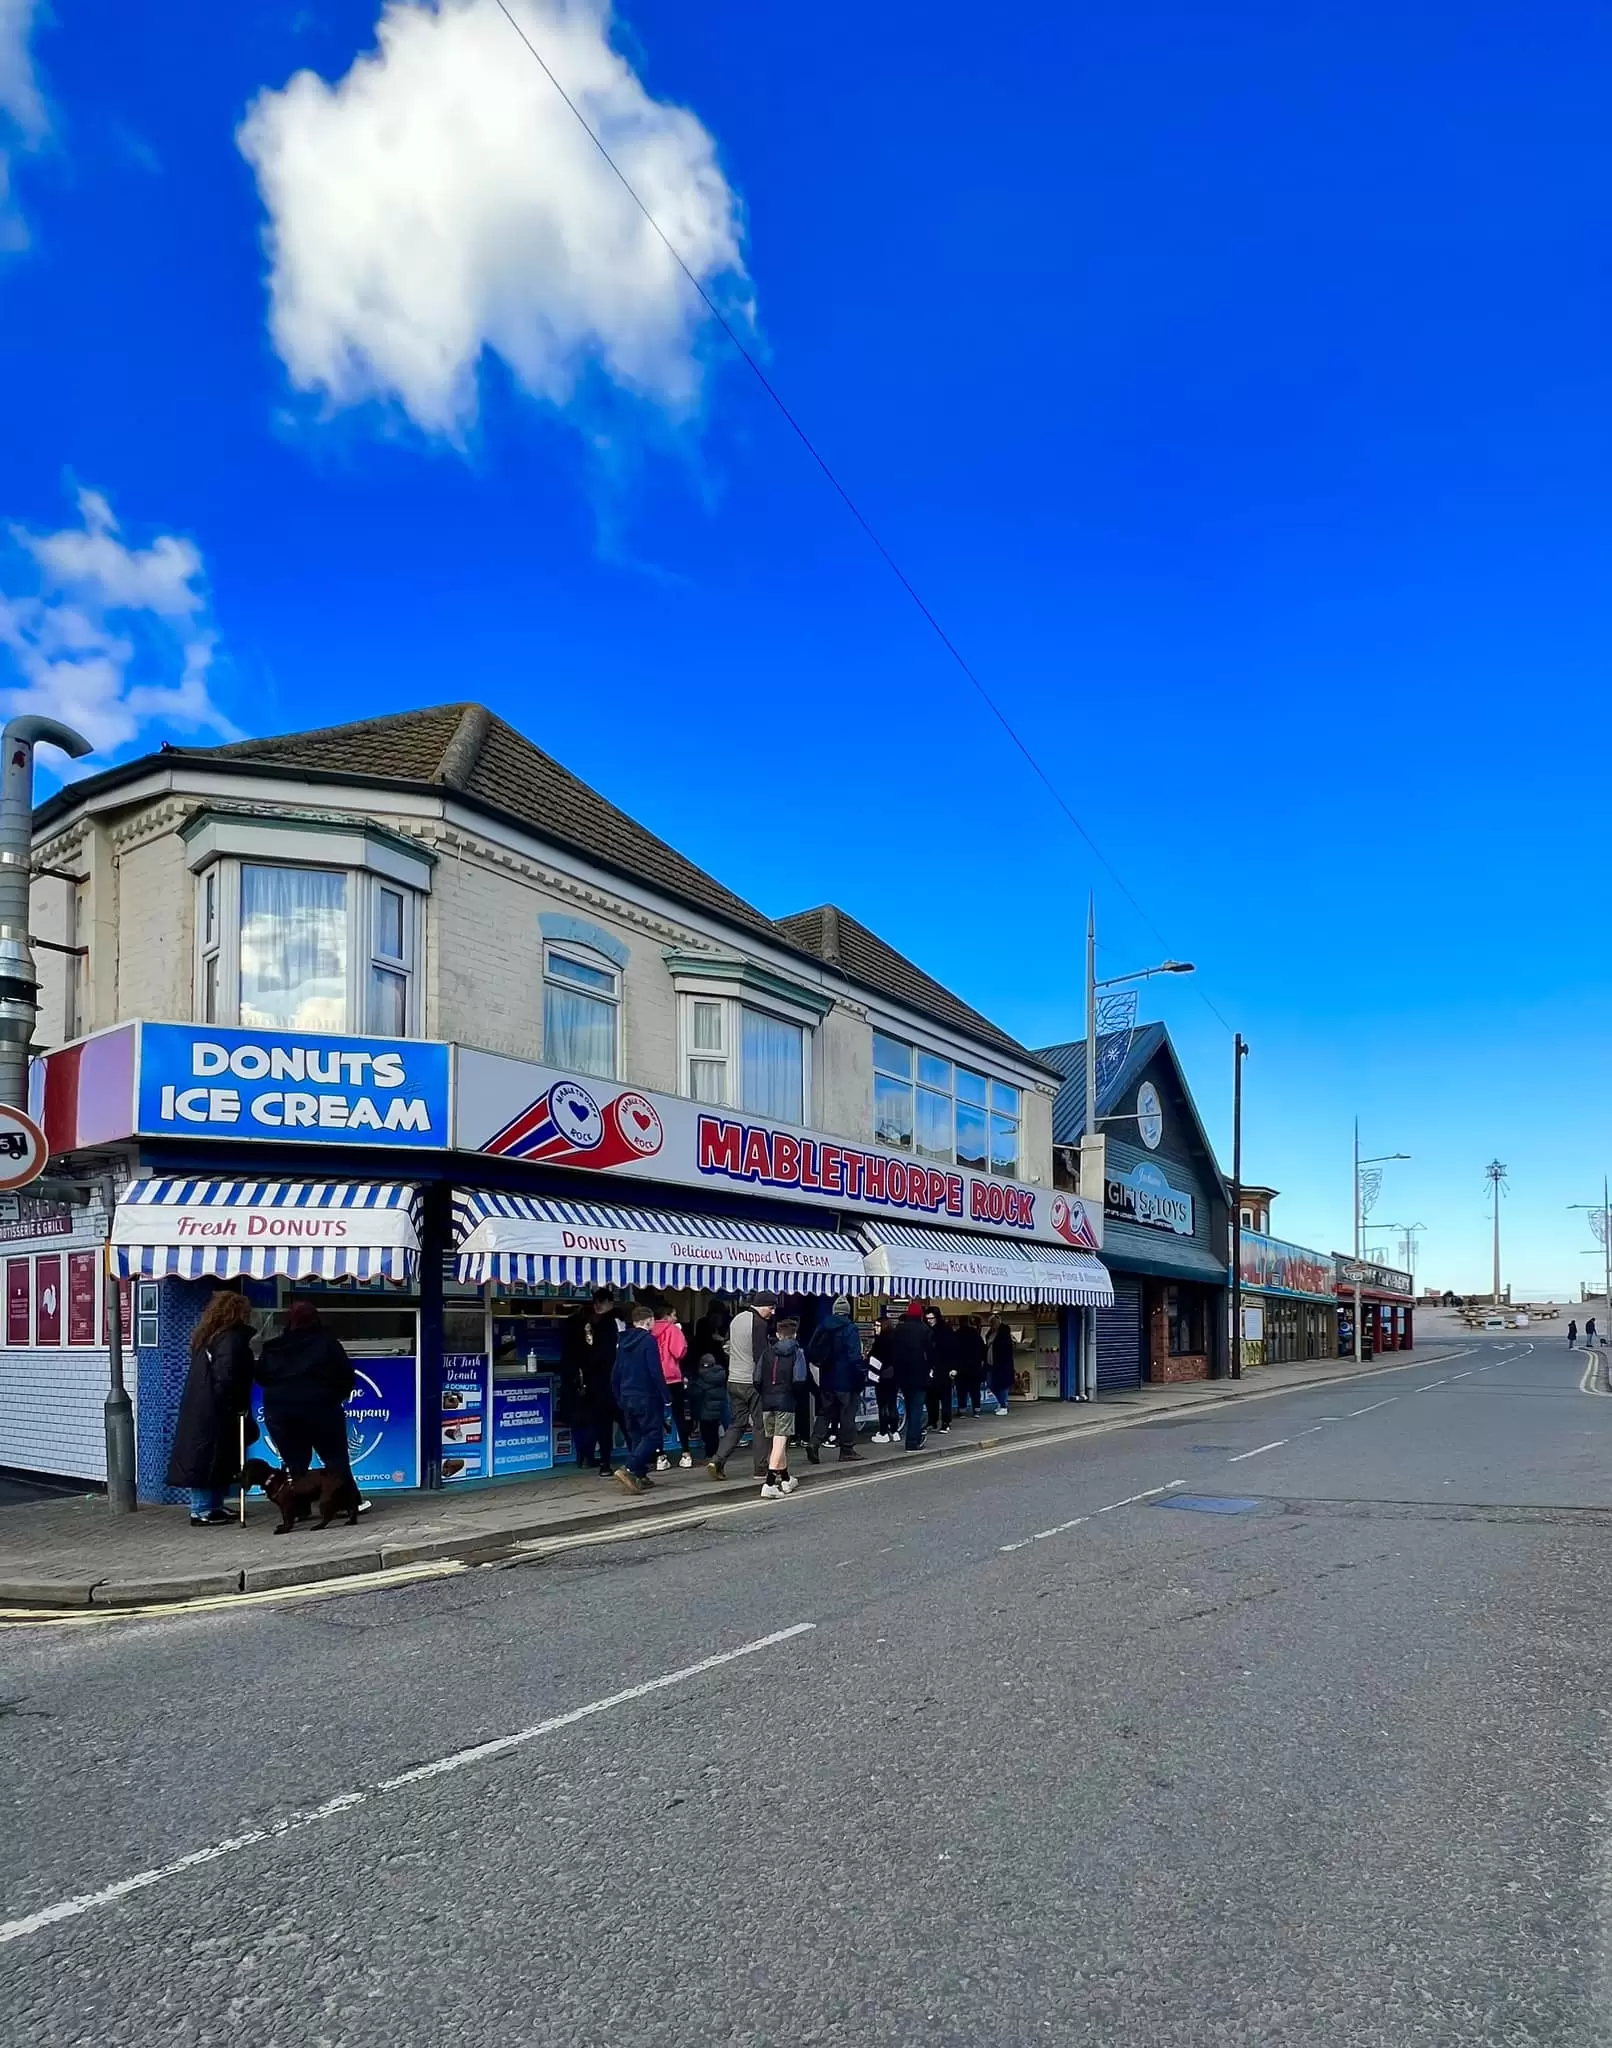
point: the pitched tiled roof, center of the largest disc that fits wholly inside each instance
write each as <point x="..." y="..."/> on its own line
<point x="862" y="956"/>
<point x="1069" y="1105"/>
<point x="463" y="747"/>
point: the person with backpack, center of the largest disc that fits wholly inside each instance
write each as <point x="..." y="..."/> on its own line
<point x="911" y="1351"/>
<point x="673" y="1348"/>
<point x="780" y="1372"/>
<point x="747" y="1340"/>
<point x="836" y="1352"/>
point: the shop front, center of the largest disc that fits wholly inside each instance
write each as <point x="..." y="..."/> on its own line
<point x="1384" y="1300"/>
<point x="1289" y="1302"/>
<point x="443" y="1206"/>
<point x="1162" y="1215"/>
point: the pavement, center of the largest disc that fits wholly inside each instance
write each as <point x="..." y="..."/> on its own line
<point x="1274" y="1723"/>
<point x="65" y="1552"/>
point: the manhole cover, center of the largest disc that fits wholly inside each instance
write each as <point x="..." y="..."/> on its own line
<point x="1210" y="1503"/>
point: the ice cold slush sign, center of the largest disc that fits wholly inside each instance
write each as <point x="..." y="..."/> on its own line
<point x="199" y="1081"/>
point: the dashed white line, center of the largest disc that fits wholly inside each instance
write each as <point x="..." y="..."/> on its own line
<point x="1372" y="1409"/>
<point x="1275" y="1445"/>
<point x="1061" y="1528"/>
<point x="344" y="1802"/>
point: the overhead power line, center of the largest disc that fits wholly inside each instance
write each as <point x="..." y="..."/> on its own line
<point x="843" y="494"/>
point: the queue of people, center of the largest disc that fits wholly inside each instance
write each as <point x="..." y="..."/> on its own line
<point x="306" y="1378"/>
<point x="745" y="1372"/>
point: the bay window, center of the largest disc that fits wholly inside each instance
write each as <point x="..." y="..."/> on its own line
<point x="942" y="1111"/>
<point x="740" y="1057"/>
<point x="320" y="944"/>
<point x="581" y="1011"/>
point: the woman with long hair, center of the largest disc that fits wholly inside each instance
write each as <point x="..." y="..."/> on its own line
<point x="206" y="1453"/>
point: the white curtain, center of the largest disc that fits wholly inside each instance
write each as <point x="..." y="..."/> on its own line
<point x="773" y="1063"/>
<point x="579" y="1032"/>
<point x="293" y="949"/>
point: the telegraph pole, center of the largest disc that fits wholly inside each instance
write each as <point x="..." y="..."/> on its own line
<point x="1495" y="1174"/>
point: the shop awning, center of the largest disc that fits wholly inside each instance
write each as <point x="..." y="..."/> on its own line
<point x="945" y="1264"/>
<point x="535" y="1239"/>
<point x="1070" y="1276"/>
<point x="324" y="1230"/>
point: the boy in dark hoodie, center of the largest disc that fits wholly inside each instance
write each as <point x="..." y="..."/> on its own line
<point x="638" y="1387"/>
<point x="779" y="1372"/>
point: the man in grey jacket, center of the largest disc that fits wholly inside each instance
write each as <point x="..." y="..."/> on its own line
<point x="747" y="1339"/>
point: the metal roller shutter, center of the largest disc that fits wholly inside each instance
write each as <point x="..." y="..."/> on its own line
<point x="1119" y="1337"/>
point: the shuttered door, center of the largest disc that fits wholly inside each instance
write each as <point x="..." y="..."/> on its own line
<point x="1119" y="1337"/>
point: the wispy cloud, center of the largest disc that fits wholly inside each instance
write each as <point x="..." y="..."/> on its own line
<point x="24" y="122"/>
<point x="112" y="638"/>
<point x="441" y="202"/>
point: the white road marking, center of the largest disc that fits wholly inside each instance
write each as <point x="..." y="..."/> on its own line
<point x="1375" y="1405"/>
<point x="344" y="1802"/>
<point x="1275" y="1445"/>
<point x="1062" y="1528"/>
<point x="1313" y="1430"/>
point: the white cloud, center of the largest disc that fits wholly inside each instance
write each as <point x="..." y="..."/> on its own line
<point x="22" y="110"/>
<point x="441" y="200"/>
<point x="111" y="638"/>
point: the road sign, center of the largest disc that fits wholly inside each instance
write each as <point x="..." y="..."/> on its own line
<point x="23" y="1149"/>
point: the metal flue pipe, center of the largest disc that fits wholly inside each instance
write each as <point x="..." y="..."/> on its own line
<point x="19" y="984"/>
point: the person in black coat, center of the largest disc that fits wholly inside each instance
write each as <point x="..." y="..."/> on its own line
<point x="587" y="1356"/>
<point x="940" y="1370"/>
<point x="999" y="1350"/>
<point x="306" y="1377"/>
<point x="206" y="1452"/>
<point x="909" y="1350"/>
<point x="969" y="1352"/>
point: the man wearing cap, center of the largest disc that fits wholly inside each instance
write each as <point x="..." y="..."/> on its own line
<point x="842" y="1373"/>
<point x="747" y="1339"/>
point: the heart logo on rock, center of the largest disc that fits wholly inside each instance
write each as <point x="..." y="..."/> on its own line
<point x="643" y="1119"/>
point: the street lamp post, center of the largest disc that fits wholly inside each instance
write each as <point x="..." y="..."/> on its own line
<point x="1378" y="1159"/>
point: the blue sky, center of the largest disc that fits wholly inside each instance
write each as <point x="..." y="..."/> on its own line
<point x="1233" y="381"/>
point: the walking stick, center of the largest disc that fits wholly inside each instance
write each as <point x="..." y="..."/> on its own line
<point x="241" y="1469"/>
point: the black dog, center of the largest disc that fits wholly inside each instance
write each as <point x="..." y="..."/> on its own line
<point x="335" y="1493"/>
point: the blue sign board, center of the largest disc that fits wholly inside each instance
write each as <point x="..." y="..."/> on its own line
<point x="383" y="1436"/>
<point x="523" y="1425"/>
<point x="1144" y="1196"/>
<point x="292" y="1087"/>
<point x="464" y="1416"/>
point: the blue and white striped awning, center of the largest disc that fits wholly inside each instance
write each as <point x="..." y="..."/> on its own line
<point x="305" y="1230"/>
<point x="926" y="1264"/>
<point x="534" y="1239"/>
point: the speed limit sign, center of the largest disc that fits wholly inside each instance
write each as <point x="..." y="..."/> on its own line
<point x="23" y="1150"/>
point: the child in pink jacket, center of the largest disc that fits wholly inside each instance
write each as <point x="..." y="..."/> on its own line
<point x="673" y="1348"/>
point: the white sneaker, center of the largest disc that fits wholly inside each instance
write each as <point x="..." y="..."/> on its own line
<point x="771" y="1492"/>
<point x="685" y="1463"/>
<point x="788" y="1485"/>
<point x="879" y="1437"/>
<point x="662" y="1462"/>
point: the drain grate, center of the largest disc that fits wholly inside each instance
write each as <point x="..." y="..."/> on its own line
<point x="1211" y="1503"/>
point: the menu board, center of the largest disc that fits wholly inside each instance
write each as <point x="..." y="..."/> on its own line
<point x="465" y="1376"/>
<point x="81" y="1297"/>
<point x="19" y="1301"/>
<point x="48" y="1299"/>
<point x="523" y="1424"/>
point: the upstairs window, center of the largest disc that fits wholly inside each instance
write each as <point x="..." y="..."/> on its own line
<point x="581" y="1011"/>
<point x="286" y="947"/>
<point x="738" y="1056"/>
<point x="944" y="1112"/>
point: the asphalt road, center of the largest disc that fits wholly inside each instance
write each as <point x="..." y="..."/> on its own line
<point x="1046" y="1758"/>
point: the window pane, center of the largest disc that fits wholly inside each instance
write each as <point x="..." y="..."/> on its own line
<point x="892" y="1112"/>
<point x="771" y="1076"/>
<point x="1004" y="1146"/>
<point x="934" y="1125"/>
<point x="933" y="1073"/>
<point x="1004" y="1098"/>
<point x="970" y="1087"/>
<point x="388" y="1002"/>
<point x="890" y="1056"/>
<point x="210" y="989"/>
<point x="708" y="1027"/>
<point x="210" y="911"/>
<point x="708" y="1080"/>
<point x="293" y="949"/>
<point x="389" y="924"/>
<point x="970" y="1136"/>
<point x="561" y="967"/>
<point x="579" y="1032"/>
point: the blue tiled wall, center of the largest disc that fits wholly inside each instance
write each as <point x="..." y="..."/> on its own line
<point x="162" y="1383"/>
